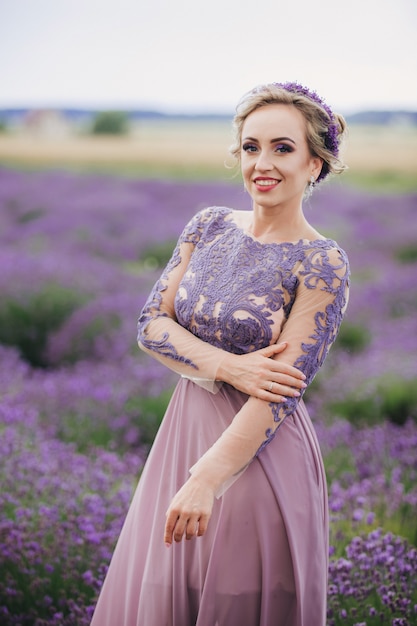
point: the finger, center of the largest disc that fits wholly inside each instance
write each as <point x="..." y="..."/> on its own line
<point x="191" y="529"/>
<point x="174" y="526"/>
<point x="179" y="529"/>
<point x="282" y="369"/>
<point x="202" y="525"/>
<point x="284" y="382"/>
<point x="169" y="528"/>
<point x="269" y="397"/>
<point x="283" y="390"/>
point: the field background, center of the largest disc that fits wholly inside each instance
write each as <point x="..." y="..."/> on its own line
<point x="86" y="225"/>
<point x="381" y="157"/>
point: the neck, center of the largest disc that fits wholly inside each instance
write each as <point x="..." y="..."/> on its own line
<point x="276" y="223"/>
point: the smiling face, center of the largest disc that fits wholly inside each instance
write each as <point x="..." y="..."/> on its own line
<point x="275" y="159"/>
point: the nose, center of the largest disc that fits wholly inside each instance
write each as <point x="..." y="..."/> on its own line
<point x="263" y="162"/>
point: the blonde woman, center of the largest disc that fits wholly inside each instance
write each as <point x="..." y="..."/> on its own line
<point x="229" y="524"/>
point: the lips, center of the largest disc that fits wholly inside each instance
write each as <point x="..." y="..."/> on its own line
<point x="266" y="184"/>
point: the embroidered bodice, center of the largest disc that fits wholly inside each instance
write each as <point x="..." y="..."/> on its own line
<point x="238" y="294"/>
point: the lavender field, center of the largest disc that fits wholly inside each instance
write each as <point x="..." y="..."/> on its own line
<point x="80" y="404"/>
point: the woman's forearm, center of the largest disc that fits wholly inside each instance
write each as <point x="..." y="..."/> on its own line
<point x="256" y="374"/>
<point x="178" y="349"/>
<point x="229" y="456"/>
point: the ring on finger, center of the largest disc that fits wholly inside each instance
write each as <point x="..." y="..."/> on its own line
<point x="271" y="384"/>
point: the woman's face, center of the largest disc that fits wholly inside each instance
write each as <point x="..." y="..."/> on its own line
<point x="275" y="160"/>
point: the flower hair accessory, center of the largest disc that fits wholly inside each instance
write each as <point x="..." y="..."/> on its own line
<point x="330" y="138"/>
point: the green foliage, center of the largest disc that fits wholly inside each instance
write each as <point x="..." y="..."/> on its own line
<point x="341" y="466"/>
<point x="110" y="123"/>
<point x="398" y="400"/>
<point x="149" y="411"/>
<point x="26" y="322"/>
<point x="85" y="431"/>
<point x="392" y="398"/>
<point x="352" y="337"/>
<point x="356" y="409"/>
<point x="158" y="255"/>
<point x="407" y="254"/>
<point x="339" y="462"/>
<point x="382" y="181"/>
<point x="30" y="215"/>
<point x="87" y="425"/>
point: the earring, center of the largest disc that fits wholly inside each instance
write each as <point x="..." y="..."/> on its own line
<point x="310" y="188"/>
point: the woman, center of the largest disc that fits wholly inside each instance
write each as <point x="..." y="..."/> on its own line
<point x="245" y="506"/>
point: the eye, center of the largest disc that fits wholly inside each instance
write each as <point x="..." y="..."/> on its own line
<point x="283" y="148"/>
<point x="249" y="147"/>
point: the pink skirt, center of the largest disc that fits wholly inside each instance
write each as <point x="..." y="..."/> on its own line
<point x="264" y="558"/>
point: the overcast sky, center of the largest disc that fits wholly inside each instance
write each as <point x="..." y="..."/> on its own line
<point x="192" y="55"/>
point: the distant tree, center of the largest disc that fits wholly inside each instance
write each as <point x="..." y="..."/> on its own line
<point x="110" y="123"/>
<point x="3" y="126"/>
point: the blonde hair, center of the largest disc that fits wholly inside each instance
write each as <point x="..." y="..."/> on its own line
<point x="324" y="129"/>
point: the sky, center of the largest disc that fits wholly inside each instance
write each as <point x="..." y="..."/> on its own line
<point x="188" y="56"/>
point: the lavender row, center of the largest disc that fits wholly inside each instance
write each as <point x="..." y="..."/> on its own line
<point x="80" y="405"/>
<point x="62" y="510"/>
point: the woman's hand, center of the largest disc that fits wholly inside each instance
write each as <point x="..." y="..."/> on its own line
<point x="189" y="512"/>
<point x="259" y="375"/>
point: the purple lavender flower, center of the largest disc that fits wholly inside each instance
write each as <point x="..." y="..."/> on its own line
<point x="73" y="436"/>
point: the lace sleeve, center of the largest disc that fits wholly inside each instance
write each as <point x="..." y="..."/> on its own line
<point x="160" y="334"/>
<point x="314" y="320"/>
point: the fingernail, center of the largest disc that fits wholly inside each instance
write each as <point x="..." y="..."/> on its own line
<point x="296" y="394"/>
<point x="168" y="545"/>
<point x="303" y="385"/>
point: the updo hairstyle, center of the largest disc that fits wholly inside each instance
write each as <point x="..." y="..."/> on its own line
<point x="324" y="129"/>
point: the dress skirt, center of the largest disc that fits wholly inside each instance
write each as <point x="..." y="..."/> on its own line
<point x="264" y="558"/>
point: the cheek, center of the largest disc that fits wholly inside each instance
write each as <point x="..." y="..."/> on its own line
<point x="295" y="166"/>
<point x="244" y="169"/>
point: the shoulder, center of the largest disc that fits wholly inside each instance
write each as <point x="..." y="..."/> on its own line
<point x="213" y="213"/>
<point x="204" y="219"/>
<point x="326" y="252"/>
<point x="324" y="263"/>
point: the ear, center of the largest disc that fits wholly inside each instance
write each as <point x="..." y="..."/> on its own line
<point x="316" y="164"/>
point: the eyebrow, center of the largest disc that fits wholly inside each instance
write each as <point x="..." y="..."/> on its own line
<point x="272" y="140"/>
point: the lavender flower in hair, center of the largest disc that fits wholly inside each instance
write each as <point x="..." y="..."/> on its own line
<point x="330" y="139"/>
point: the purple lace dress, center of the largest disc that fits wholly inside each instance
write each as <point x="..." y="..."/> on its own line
<point x="264" y="558"/>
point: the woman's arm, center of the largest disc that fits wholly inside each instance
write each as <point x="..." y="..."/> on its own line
<point x="160" y="335"/>
<point x="310" y="330"/>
